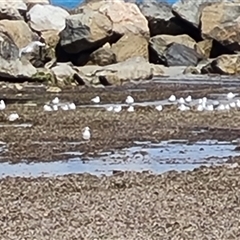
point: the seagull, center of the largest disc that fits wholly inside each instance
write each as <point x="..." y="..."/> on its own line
<point x="47" y="108"/>
<point x="109" y="109"/>
<point x="64" y="107"/>
<point x="117" y="109"/>
<point x="182" y="107"/>
<point x="55" y="107"/>
<point x="13" y="116"/>
<point x="221" y="107"/>
<point x="159" y="108"/>
<point x="129" y="100"/>
<point x="96" y="99"/>
<point x="209" y="107"/>
<point x="232" y="104"/>
<point x="200" y="108"/>
<point x="55" y="100"/>
<point x="2" y="105"/>
<point x="188" y="99"/>
<point x="72" y="106"/>
<point x="227" y="107"/>
<point x="30" y="47"/>
<point x="238" y="103"/>
<point x="86" y="134"/>
<point x="130" y="109"/>
<point x="172" y="98"/>
<point x="231" y="95"/>
<point x="181" y="100"/>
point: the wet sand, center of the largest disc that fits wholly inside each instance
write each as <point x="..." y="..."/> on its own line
<point x="45" y="136"/>
<point x="201" y="204"/>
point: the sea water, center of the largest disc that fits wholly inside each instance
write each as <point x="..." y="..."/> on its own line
<point x="74" y="3"/>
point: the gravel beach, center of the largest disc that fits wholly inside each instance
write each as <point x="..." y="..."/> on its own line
<point x="202" y="204"/>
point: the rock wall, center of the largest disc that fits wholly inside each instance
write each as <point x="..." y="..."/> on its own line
<point x="114" y="41"/>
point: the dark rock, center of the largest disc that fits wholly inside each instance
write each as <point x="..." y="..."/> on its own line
<point x="85" y="31"/>
<point x="8" y="49"/>
<point x="181" y="55"/>
<point x="160" y="18"/>
<point x="103" y="56"/>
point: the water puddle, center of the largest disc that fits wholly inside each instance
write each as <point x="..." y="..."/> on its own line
<point x="143" y="156"/>
<point x="22" y="125"/>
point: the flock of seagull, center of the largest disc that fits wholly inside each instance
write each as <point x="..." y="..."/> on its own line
<point x="183" y="104"/>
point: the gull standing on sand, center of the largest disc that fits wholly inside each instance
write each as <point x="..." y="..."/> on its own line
<point x="231" y="95"/>
<point x="181" y="100"/>
<point x="72" y="106"/>
<point x="117" y="109"/>
<point x="31" y="47"/>
<point x="86" y="134"/>
<point x="188" y="99"/>
<point x="159" y="108"/>
<point x="129" y="100"/>
<point x="130" y="109"/>
<point x="172" y="98"/>
<point x="96" y="99"/>
<point x="55" y="100"/>
<point x="47" y="108"/>
<point x="13" y="116"/>
<point x="64" y="107"/>
<point x="182" y="107"/>
<point x="109" y="109"/>
<point x="2" y="105"/>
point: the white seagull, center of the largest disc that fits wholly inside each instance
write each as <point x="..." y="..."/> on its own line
<point x="117" y="109"/>
<point x="96" y="99"/>
<point x="31" y="47"/>
<point x="2" y="105"/>
<point x="172" y="98"/>
<point x="130" y="109"/>
<point x="72" y="106"/>
<point x="47" y="108"/>
<point x="55" y="100"/>
<point x="181" y="100"/>
<point x="231" y="95"/>
<point x="86" y="134"/>
<point x="109" y="109"/>
<point x="188" y="99"/>
<point x="129" y="100"/>
<point x="182" y="107"/>
<point x="159" y="108"/>
<point x="13" y="116"/>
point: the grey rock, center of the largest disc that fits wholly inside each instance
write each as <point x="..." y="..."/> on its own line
<point x="160" y="18"/>
<point x="84" y="31"/>
<point x="181" y="55"/>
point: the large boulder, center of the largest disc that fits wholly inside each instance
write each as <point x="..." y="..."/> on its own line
<point x="10" y="14"/>
<point x="64" y="74"/>
<point x="136" y="68"/>
<point x="16" y="4"/>
<point x="85" y="31"/>
<point x="181" y="55"/>
<point x="103" y="56"/>
<point x="47" y="17"/>
<point x="36" y="1"/>
<point x="224" y="65"/>
<point x="130" y="45"/>
<point x="220" y="21"/>
<point x="190" y="11"/>
<point x="160" y="18"/>
<point x="11" y="9"/>
<point x="161" y="49"/>
<point x="10" y="64"/>
<point x="125" y="17"/>
<point x="18" y="30"/>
